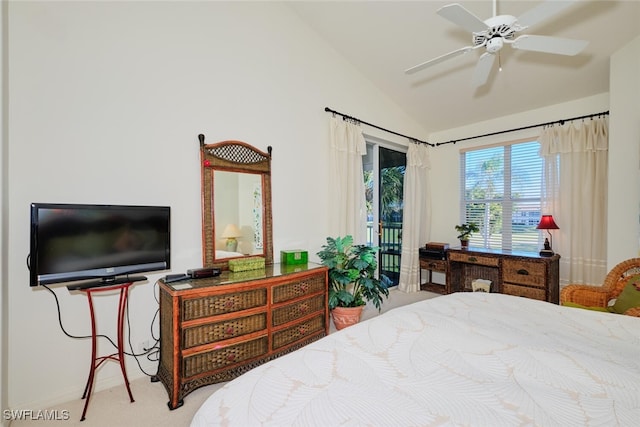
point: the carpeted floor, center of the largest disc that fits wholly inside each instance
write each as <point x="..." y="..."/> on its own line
<point x="111" y="407"/>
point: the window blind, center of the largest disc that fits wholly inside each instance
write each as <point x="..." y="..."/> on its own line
<point x="500" y="191"/>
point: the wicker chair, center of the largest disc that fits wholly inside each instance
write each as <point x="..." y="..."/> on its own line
<point x="599" y="296"/>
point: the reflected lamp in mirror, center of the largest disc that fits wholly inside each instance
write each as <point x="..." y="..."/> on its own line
<point x="231" y="233"/>
<point x="547" y="223"/>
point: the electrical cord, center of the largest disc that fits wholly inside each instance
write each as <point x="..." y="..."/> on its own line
<point x="63" y="328"/>
<point x="152" y="353"/>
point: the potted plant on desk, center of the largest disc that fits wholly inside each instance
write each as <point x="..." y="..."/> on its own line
<point x="466" y="230"/>
<point x="352" y="280"/>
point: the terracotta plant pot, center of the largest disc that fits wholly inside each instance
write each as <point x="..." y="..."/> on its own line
<point x="346" y="316"/>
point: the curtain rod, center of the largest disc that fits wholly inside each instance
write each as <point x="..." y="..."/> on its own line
<point x="345" y="116"/>
<point x="453" y="141"/>
<point x="561" y="122"/>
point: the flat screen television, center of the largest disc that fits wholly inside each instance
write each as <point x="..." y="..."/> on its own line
<point x="72" y="242"/>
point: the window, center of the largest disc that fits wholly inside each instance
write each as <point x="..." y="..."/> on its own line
<point x="500" y="191"/>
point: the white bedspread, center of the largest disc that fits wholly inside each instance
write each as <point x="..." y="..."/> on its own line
<point x="473" y="359"/>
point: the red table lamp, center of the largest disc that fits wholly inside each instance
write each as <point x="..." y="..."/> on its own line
<point x="547" y="223"/>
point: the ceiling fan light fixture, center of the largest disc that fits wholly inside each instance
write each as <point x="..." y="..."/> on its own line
<point x="494" y="44"/>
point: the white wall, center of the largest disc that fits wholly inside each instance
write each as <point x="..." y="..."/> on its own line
<point x="106" y="102"/>
<point x="623" y="237"/>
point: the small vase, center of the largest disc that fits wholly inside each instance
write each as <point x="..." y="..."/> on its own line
<point x="346" y="316"/>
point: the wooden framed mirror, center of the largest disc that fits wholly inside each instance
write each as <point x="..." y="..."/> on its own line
<point x="236" y="202"/>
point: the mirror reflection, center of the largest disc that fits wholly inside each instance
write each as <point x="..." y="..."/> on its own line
<point x="238" y="200"/>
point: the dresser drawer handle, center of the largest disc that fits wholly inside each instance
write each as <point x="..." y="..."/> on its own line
<point x="523" y="272"/>
<point x="473" y="259"/>
<point x="231" y="357"/>
<point x="229" y="330"/>
<point x="302" y="330"/>
<point x="303" y="308"/>
<point x="304" y="287"/>
<point x="229" y="304"/>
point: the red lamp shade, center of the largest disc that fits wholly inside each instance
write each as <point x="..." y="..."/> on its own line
<point x="547" y="223"/>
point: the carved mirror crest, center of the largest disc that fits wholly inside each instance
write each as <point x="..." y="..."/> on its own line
<point x="236" y="202"/>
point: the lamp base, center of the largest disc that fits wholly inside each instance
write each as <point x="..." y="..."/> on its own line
<point x="547" y="253"/>
<point x="232" y="244"/>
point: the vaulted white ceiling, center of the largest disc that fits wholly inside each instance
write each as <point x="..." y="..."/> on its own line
<point x="383" y="38"/>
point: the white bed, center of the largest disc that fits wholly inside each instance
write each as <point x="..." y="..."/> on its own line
<point x="473" y="359"/>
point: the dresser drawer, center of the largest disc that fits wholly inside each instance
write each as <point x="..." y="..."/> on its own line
<point x="195" y="308"/>
<point x="524" y="272"/>
<point x="523" y="291"/>
<point x="289" y="312"/>
<point x="474" y="259"/>
<point x="218" y="331"/>
<point x="225" y="356"/>
<point x="301" y="287"/>
<point x="298" y="331"/>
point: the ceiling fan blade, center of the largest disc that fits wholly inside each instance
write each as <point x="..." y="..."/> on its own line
<point x="462" y="17"/>
<point x="542" y="12"/>
<point x="439" y="59"/>
<point x="548" y="44"/>
<point x="483" y="69"/>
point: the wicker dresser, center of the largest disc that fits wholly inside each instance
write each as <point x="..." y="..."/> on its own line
<point x="520" y="274"/>
<point x="215" y="329"/>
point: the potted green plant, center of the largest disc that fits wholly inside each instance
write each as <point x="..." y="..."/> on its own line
<point x="466" y="230"/>
<point x="352" y="280"/>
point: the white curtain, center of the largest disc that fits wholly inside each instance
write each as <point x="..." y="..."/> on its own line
<point x="575" y="193"/>
<point x="416" y="221"/>
<point x="347" y="208"/>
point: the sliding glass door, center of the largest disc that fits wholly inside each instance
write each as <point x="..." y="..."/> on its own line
<point x="384" y="169"/>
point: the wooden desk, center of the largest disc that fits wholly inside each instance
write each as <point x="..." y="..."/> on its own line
<point x="514" y="273"/>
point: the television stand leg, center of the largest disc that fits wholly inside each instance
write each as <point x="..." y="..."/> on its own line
<point x="119" y="356"/>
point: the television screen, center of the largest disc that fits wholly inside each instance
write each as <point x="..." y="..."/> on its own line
<point x="72" y="242"/>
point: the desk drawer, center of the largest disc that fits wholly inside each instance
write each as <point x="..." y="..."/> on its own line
<point x="433" y="264"/>
<point x="524" y="272"/>
<point x="474" y="259"/>
<point x="523" y="291"/>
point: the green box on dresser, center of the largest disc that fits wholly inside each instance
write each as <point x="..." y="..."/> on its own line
<point x="294" y="257"/>
<point x="246" y="263"/>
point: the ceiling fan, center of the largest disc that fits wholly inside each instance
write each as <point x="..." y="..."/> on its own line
<point x="493" y="33"/>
